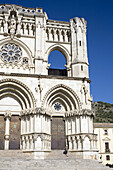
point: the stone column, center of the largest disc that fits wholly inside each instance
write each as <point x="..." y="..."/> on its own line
<point x="55" y="35"/>
<point x="7" y="117"/>
<point x="75" y="144"/>
<point x="50" y="35"/>
<point x="65" y="34"/>
<point x="19" y="27"/>
<point x="6" y="25"/>
<point x="25" y="29"/>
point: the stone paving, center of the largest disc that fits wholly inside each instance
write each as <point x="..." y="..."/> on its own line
<point x="16" y="160"/>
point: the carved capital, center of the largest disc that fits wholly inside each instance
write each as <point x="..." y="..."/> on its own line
<point x="7" y="115"/>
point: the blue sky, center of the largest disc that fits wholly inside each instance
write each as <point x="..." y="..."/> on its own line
<point x="99" y="15"/>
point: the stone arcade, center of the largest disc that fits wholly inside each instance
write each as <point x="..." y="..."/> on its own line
<point x="40" y="111"/>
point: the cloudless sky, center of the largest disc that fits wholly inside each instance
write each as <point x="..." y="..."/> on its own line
<point x="99" y="15"/>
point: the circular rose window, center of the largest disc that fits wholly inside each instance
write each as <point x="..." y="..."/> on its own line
<point x="11" y="53"/>
<point x="57" y="106"/>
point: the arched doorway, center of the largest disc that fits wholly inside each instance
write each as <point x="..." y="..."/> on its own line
<point x="62" y="101"/>
<point x="14" y="97"/>
<point x="57" y="63"/>
<point x="11" y="124"/>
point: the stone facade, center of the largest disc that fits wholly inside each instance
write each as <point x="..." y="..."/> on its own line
<point x="30" y="98"/>
<point x="104" y="141"/>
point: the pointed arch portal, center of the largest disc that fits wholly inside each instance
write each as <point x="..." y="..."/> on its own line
<point x="60" y="99"/>
<point x="14" y="97"/>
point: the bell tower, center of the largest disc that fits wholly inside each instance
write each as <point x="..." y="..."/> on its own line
<point x="79" y="48"/>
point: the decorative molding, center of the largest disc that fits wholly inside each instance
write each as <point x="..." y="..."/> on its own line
<point x="65" y="88"/>
<point x="21" y="84"/>
<point x="83" y="112"/>
<point x="106" y="139"/>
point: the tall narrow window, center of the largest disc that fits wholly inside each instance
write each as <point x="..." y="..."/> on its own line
<point x="80" y="43"/>
<point x="81" y="67"/>
<point x="107" y="147"/>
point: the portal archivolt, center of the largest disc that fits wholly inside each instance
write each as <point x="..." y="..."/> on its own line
<point x="61" y="96"/>
<point x="17" y="90"/>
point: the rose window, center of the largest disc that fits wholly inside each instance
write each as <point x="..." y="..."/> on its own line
<point x="11" y="53"/>
<point x="57" y="106"/>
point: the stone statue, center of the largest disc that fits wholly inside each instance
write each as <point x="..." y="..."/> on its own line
<point x="12" y="26"/>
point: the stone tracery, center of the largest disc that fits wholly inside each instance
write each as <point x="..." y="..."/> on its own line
<point x="11" y="53"/>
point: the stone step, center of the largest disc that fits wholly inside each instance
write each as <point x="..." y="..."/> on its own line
<point x="58" y="154"/>
<point x="56" y="160"/>
<point x="14" y="153"/>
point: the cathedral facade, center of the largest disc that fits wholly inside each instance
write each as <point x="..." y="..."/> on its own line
<point x="41" y="108"/>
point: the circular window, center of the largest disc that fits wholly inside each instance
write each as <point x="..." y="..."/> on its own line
<point x="11" y="53"/>
<point x="57" y="106"/>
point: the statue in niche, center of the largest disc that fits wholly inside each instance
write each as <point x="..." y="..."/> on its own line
<point x="12" y="26"/>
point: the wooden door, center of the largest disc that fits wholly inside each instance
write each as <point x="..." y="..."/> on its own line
<point x="14" y="142"/>
<point x="57" y="133"/>
<point x="2" y="132"/>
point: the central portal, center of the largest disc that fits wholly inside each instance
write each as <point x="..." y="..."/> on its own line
<point x="58" y="133"/>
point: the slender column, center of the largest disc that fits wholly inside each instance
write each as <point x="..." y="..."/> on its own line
<point x="32" y="123"/>
<point x="25" y="29"/>
<point x="73" y="125"/>
<point x="61" y="36"/>
<point x="35" y="141"/>
<point x="77" y="124"/>
<point x="23" y="142"/>
<point x="50" y="35"/>
<point x="19" y="27"/>
<point x="6" y="25"/>
<point x="30" y="29"/>
<point x="55" y="35"/>
<point x="0" y="25"/>
<point x="27" y="142"/>
<point x="79" y="145"/>
<point x="69" y="141"/>
<point x="91" y="144"/>
<point x="75" y="145"/>
<point x="66" y="37"/>
<point x="66" y="127"/>
<point x="23" y="125"/>
<point x="31" y="142"/>
<point x="27" y="122"/>
<point x="47" y="34"/>
<point x="7" y="128"/>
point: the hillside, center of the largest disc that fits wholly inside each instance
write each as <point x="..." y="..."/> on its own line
<point x="103" y="112"/>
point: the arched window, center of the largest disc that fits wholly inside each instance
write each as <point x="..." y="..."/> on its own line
<point x="58" y="62"/>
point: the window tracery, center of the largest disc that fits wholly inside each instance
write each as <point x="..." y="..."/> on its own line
<point x="57" y="106"/>
<point x="25" y="60"/>
<point x="10" y="53"/>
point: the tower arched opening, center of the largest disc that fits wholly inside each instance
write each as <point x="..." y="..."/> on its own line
<point x="57" y="63"/>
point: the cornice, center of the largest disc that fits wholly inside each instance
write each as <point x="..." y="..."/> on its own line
<point x="45" y="76"/>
